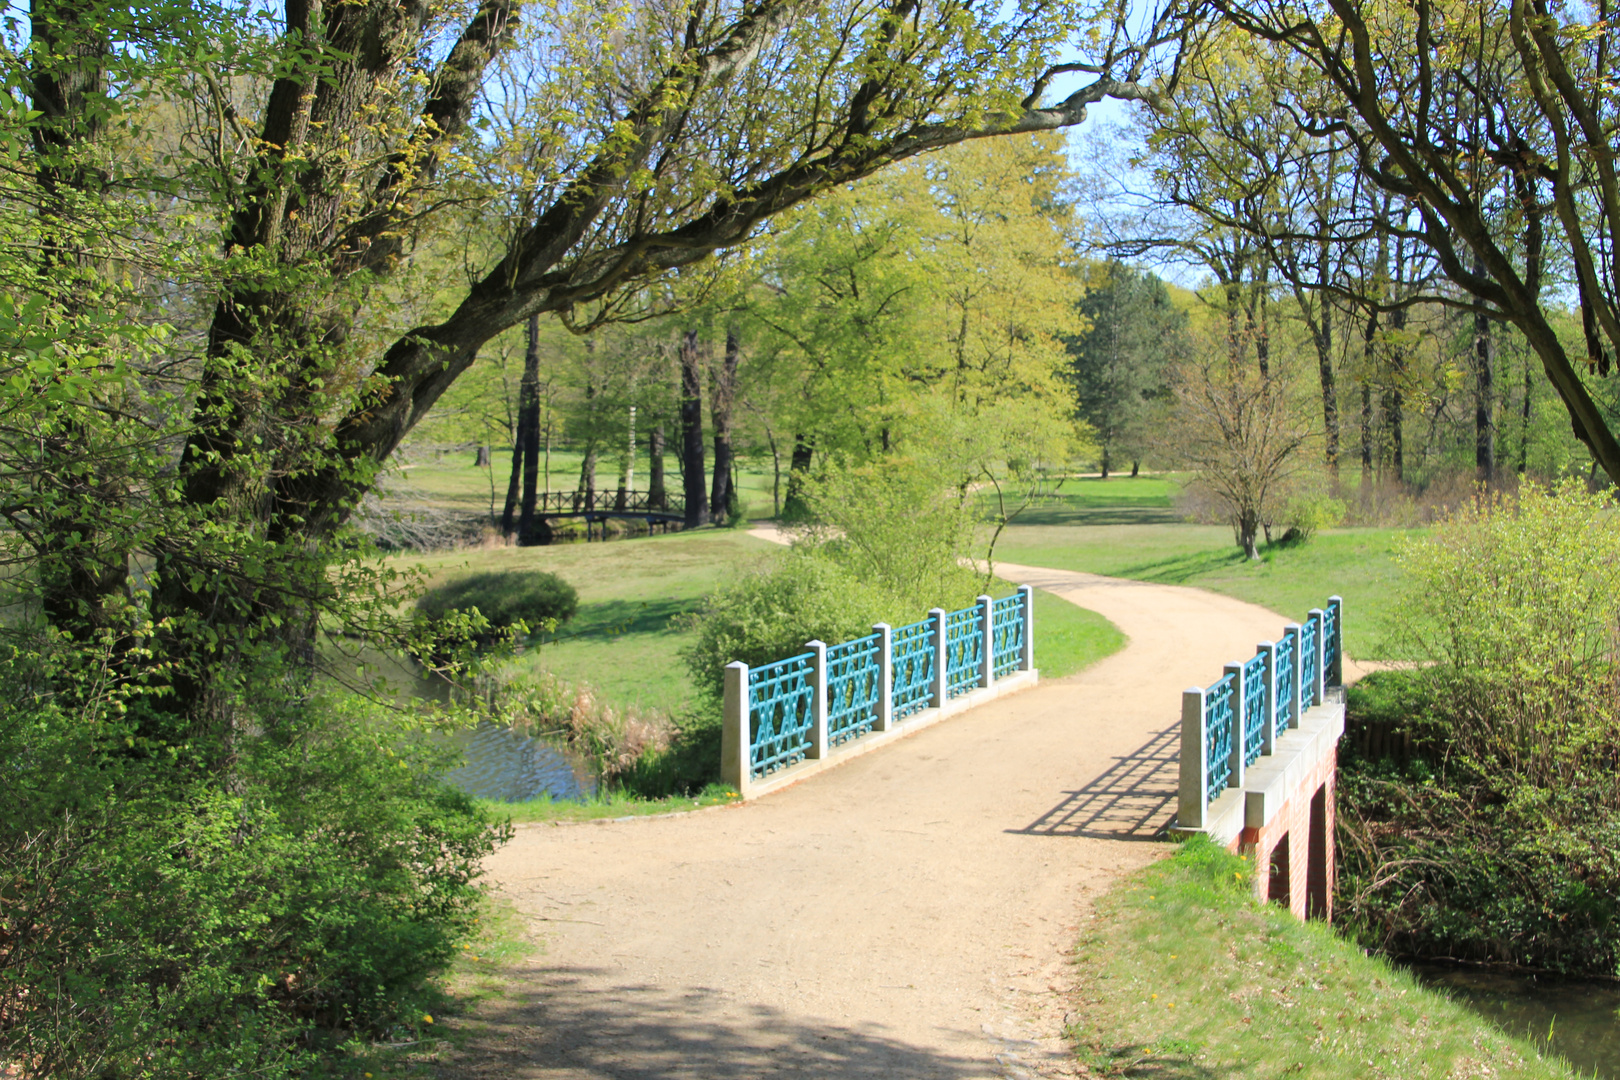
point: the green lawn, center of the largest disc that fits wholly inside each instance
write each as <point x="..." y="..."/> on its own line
<point x="1093" y="529"/>
<point x="1184" y="975"/>
<point x="1069" y="638"/>
<point x="624" y="641"/>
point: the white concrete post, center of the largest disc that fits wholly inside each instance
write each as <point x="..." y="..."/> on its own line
<point x="885" y="715"/>
<point x="987" y="669"/>
<point x="736" y="768"/>
<point x="1336" y="660"/>
<point x="818" y="700"/>
<point x="939" y="689"/>
<point x="1268" y="726"/>
<point x="1296" y="692"/>
<point x="1316" y="689"/>
<point x="1191" y="805"/>
<point x="1234" y="760"/>
<point x="1027" y="662"/>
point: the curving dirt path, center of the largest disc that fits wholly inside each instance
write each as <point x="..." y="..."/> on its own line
<point x="905" y="915"/>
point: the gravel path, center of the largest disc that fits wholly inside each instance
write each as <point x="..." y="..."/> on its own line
<point x="906" y="915"/>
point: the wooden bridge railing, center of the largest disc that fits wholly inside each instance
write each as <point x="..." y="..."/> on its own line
<point x="609" y="501"/>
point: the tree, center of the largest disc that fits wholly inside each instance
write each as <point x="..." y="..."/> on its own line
<point x="1492" y="122"/>
<point x="1241" y="431"/>
<point x="1119" y="361"/>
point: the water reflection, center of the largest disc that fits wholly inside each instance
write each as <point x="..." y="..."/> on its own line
<point x="507" y="766"/>
<point x="1583" y="1019"/>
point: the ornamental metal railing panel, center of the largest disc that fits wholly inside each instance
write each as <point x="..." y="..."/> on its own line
<point x="1332" y="645"/>
<point x="1284" y="687"/>
<point x="781" y="703"/>
<point x="1307" y="661"/>
<point x="1218" y="738"/>
<point x="854" y="688"/>
<point x="1006" y="634"/>
<point x="964" y="650"/>
<point x="1254" y="708"/>
<point x="913" y="662"/>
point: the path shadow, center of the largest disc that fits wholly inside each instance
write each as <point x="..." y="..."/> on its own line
<point x="573" y="1024"/>
<point x="1149" y="1060"/>
<point x="1132" y="799"/>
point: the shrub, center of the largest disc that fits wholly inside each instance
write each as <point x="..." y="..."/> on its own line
<point x="535" y="598"/>
<point x="1308" y="512"/>
<point x="178" y="912"/>
<point x="771" y="612"/>
<point x="1479" y="800"/>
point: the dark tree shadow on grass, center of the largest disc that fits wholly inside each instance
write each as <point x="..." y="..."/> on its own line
<point x="608" y="619"/>
<point x="560" y="1024"/>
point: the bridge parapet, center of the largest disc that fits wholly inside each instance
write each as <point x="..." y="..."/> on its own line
<point x="787" y="719"/>
<point x="1259" y="754"/>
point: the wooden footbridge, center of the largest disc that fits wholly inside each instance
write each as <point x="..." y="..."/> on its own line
<point x="655" y="508"/>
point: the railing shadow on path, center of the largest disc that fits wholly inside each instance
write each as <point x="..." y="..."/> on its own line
<point x="575" y="1028"/>
<point x="1133" y="799"/>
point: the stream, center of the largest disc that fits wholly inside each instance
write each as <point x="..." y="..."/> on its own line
<point x="1578" y="1021"/>
<point x="504" y="765"/>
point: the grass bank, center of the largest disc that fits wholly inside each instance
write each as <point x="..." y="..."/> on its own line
<point x="1129" y="528"/>
<point x="1184" y="975"/>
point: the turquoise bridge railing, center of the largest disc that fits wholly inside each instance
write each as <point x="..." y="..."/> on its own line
<point x="854" y="685"/>
<point x="964" y="650"/>
<point x="784" y="712"/>
<point x="797" y="709"/>
<point x="913" y="678"/>
<point x="1232" y="723"/>
<point x="1007" y="636"/>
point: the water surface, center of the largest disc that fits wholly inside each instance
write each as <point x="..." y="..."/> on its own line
<point x="1578" y="1021"/>
<point x="504" y="765"/>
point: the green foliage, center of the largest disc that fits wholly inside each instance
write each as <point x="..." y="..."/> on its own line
<point x="535" y="599"/>
<point x="1119" y="362"/>
<point x="886" y="547"/>
<point x="1481" y="815"/>
<point x="897" y="525"/>
<point x="770" y="612"/>
<point x="156" y="923"/>
<point x="1308" y="512"/>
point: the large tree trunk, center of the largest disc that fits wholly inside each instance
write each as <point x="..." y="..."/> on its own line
<point x="1393" y="401"/>
<point x="722" y="393"/>
<point x="81" y="565"/>
<point x="1247" y="527"/>
<point x="1525" y="415"/>
<point x="1321" y="328"/>
<point x="1484" y="397"/>
<point x="526" y="441"/>
<point x="794" y="507"/>
<point x="529" y="421"/>
<point x="697" y="499"/>
<point x="656" y="496"/>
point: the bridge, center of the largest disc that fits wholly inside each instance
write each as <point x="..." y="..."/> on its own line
<point x="655" y="508"/>
<point x="1259" y="754"/>
<point x="908" y="913"/>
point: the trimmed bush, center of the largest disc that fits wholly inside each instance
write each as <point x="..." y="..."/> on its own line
<point x="538" y="599"/>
